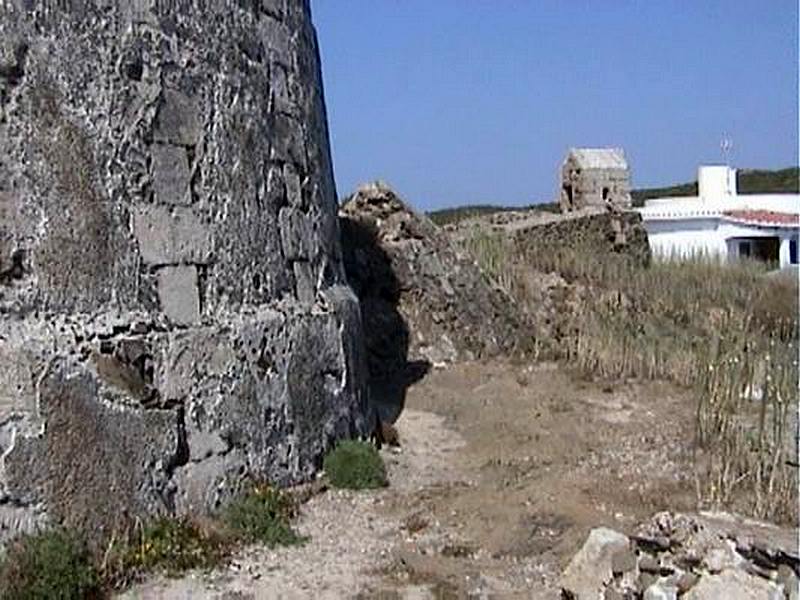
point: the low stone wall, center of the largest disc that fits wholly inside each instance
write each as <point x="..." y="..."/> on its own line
<point x="595" y="233"/>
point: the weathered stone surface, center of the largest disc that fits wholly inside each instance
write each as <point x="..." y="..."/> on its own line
<point x="93" y="464"/>
<point x="171" y="176"/>
<point x="535" y="252"/>
<point x="733" y="585"/>
<point x="169" y="236"/>
<point x="591" y="568"/>
<point x="605" y="233"/>
<point x="595" y="177"/>
<point x="177" y="119"/>
<point x="179" y="294"/>
<point x="174" y="316"/>
<point x="661" y="591"/>
<point x="418" y="291"/>
<point x="708" y="555"/>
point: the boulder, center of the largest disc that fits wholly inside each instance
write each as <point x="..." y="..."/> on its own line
<point x="733" y="585"/>
<point x="590" y="570"/>
<point x="661" y="591"/>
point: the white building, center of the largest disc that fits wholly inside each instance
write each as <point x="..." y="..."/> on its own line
<point x="720" y="222"/>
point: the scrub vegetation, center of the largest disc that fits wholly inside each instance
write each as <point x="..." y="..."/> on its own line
<point x="263" y="516"/>
<point x="729" y="332"/>
<point x="355" y="465"/>
<point x="51" y="564"/>
<point x="58" y="564"/>
<point x="749" y="181"/>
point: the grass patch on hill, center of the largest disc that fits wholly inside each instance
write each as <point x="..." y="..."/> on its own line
<point x="355" y="465"/>
<point x="748" y="181"/>
<point x="445" y="216"/>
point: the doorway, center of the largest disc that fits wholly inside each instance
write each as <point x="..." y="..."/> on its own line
<point x="567" y="191"/>
<point x="764" y="249"/>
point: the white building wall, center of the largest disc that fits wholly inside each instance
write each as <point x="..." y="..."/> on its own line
<point x="687" y="226"/>
<point x="716" y="181"/>
<point x="784" y="252"/>
<point x="684" y="238"/>
<point x="711" y="237"/>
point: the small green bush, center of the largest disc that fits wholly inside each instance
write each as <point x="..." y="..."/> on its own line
<point x="167" y="544"/>
<point x="355" y="465"/>
<point x="264" y="515"/>
<point x="51" y="564"/>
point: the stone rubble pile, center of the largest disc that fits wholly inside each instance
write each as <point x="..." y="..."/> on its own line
<point x="707" y="556"/>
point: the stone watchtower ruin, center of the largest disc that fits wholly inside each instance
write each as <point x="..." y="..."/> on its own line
<point x="174" y="317"/>
<point x="594" y="177"/>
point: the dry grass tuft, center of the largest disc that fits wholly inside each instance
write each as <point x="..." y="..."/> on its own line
<point x="728" y="331"/>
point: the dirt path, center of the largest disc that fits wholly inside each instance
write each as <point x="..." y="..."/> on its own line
<point x="502" y="473"/>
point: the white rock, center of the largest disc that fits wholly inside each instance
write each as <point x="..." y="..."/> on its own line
<point x="731" y="585"/>
<point x="590" y="569"/>
<point x="661" y="591"/>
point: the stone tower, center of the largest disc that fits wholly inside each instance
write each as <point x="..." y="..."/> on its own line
<point x="595" y="178"/>
<point x="174" y="318"/>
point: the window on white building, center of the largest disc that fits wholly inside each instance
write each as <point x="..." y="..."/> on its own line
<point x="744" y="248"/>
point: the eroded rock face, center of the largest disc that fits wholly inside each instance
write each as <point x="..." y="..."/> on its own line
<point x="174" y="315"/>
<point x="421" y="295"/>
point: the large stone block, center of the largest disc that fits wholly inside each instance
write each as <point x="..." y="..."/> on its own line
<point x="170" y="236"/>
<point x="179" y="294"/>
<point x="177" y="120"/>
<point x="93" y="465"/>
<point x="171" y="175"/>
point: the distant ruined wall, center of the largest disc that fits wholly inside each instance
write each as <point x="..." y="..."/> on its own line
<point x="590" y="233"/>
<point x="174" y="315"/>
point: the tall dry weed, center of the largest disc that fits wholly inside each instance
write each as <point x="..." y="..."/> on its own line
<point x="730" y="332"/>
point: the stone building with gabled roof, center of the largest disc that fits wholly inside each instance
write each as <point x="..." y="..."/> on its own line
<point x="595" y="177"/>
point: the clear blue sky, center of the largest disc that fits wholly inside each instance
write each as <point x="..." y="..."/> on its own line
<point x="477" y="101"/>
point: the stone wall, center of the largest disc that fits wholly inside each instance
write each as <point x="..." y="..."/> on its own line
<point x="596" y="234"/>
<point x="174" y="316"/>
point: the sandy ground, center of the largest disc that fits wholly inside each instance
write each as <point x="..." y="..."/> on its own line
<point x="503" y="470"/>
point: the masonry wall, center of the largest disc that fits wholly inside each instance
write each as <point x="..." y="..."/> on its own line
<point x="174" y="316"/>
<point x="599" y="234"/>
<point x="588" y="187"/>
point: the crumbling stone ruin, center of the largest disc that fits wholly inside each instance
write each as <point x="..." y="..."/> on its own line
<point x="609" y="234"/>
<point x="595" y="177"/>
<point x="419" y="292"/>
<point x="174" y="316"/>
<point x="542" y="249"/>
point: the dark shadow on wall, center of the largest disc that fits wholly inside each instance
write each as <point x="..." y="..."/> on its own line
<point x="386" y="336"/>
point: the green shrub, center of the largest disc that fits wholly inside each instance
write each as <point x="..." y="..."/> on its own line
<point x="166" y="544"/>
<point x="264" y="515"/>
<point x="51" y="564"/>
<point x="355" y="465"/>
